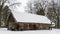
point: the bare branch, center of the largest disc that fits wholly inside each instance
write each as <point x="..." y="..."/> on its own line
<point x="14" y="4"/>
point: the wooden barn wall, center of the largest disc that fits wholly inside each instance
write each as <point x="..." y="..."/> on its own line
<point x="10" y="19"/>
<point x="28" y="26"/>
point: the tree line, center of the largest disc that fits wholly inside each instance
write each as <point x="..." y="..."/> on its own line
<point x="44" y="7"/>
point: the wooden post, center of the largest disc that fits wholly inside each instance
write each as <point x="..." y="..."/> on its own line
<point x="51" y="25"/>
<point x="28" y="27"/>
<point x="0" y="21"/>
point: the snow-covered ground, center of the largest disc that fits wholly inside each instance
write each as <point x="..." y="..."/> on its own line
<point x="3" y="29"/>
<point x="53" y="31"/>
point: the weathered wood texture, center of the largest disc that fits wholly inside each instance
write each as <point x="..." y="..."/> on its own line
<point x="10" y="19"/>
<point x="28" y="26"/>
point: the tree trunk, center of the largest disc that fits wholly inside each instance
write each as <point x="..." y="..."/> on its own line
<point x="58" y="19"/>
<point x="0" y="18"/>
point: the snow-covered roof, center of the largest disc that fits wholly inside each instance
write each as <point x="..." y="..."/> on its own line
<point x="27" y="18"/>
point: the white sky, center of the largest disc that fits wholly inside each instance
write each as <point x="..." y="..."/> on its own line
<point x="20" y="7"/>
<point x="23" y="4"/>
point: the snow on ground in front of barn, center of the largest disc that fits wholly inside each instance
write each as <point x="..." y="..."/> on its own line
<point x="53" y="31"/>
<point x="3" y="29"/>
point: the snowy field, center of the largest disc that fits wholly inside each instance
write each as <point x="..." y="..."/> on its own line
<point x="53" y="31"/>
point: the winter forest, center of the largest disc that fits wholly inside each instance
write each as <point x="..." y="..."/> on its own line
<point x="48" y="8"/>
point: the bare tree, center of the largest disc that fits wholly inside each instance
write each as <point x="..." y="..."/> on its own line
<point x="4" y="11"/>
<point x="41" y="7"/>
<point x="53" y="13"/>
<point x="29" y="7"/>
<point x="37" y="7"/>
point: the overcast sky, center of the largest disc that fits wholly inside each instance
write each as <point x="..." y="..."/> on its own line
<point x="21" y="7"/>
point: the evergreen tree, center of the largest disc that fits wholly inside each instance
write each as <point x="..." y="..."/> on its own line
<point x="40" y="12"/>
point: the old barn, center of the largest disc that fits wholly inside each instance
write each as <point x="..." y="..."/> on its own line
<point x="25" y="21"/>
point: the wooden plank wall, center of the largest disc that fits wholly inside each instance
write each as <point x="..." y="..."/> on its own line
<point x="28" y="26"/>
